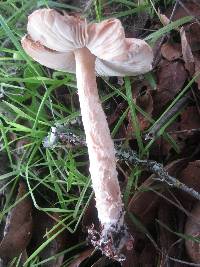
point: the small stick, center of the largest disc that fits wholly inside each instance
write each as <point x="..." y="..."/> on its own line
<point x="186" y="131"/>
<point x="157" y="169"/>
<point x="153" y="166"/>
<point x="153" y="132"/>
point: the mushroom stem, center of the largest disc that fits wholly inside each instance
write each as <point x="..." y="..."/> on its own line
<point x="100" y="145"/>
<point x="100" y="149"/>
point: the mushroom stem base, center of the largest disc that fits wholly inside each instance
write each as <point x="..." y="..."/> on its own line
<point x="112" y="240"/>
<point x="101" y="152"/>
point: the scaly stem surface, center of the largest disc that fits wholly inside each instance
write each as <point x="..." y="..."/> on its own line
<point x="113" y="236"/>
<point x="100" y="145"/>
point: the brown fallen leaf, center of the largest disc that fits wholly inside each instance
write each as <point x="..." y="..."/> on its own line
<point x="43" y="223"/>
<point x="163" y="147"/>
<point x="190" y="47"/>
<point x="105" y="262"/>
<point x="5" y="168"/>
<point x="187" y="52"/>
<point x="192" y="32"/>
<point x="197" y="67"/>
<point x="148" y="255"/>
<point x="171" y="78"/>
<point x="192" y="229"/>
<point x="192" y="8"/>
<point x="19" y="227"/>
<point x="191" y="177"/>
<point x="145" y="202"/>
<point x="91" y="258"/>
<point x="132" y="259"/>
<point x="171" y="51"/>
<point x="81" y="257"/>
<point x="116" y="114"/>
<point x="143" y="98"/>
<point x="184" y="131"/>
<point x="190" y="119"/>
<point x="145" y="102"/>
<point x="90" y="216"/>
<point x="180" y="245"/>
<point x="166" y="215"/>
<point x="65" y="98"/>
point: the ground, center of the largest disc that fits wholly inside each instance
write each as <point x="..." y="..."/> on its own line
<point x="46" y="198"/>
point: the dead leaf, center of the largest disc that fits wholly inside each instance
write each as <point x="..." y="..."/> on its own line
<point x="145" y="202"/>
<point x="19" y="227"/>
<point x="142" y="97"/>
<point x="132" y="259"/>
<point x="105" y="262"/>
<point x="184" y="131"/>
<point x="90" y="216"/>
<point x="171" y="51"/>
<point x="190" y="119"/>
<point x="5" y="168"/>
<point x="148" y="255"/>
<point x="81" y="257"/>
<point x="192" y="228"/>
<point x="192" y="8"/>
<point x="187" y="52"/>
<point x="43" y="223"/>
<point x="145" y="102"/>
<point x="171" y="78"/>
<point x="65" y="98"/>
<point x="166" y="215"/>
<point x="117" y="113"/>
<point x="197" y="67"/>
<point x="191" y="177"/>
<point x="190" y="47"/>
<point x="163" y="147"/>
<point x="192" y="32"/>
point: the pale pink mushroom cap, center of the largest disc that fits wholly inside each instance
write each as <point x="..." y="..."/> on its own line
<point x="53" y="37"/>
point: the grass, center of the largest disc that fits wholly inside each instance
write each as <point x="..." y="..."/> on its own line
<point x="29" y="109"/>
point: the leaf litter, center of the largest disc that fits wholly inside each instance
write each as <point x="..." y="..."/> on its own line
<point x="164" y="220"/>
<point x="18" y="227"/>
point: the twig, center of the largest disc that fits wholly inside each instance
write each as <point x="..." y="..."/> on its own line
<point x="131" y="156"/>
<point x="186" y="131"/>
<point x="164" y="119"/>
<point x="157" y="169"/>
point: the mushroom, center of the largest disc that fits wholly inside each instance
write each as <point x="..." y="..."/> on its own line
<point x="69" y="43"/>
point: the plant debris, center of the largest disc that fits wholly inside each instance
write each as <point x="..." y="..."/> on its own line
<point x="192" y="231"/>
<point x="46" y="198"/>
<point x="18" y="228"/>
